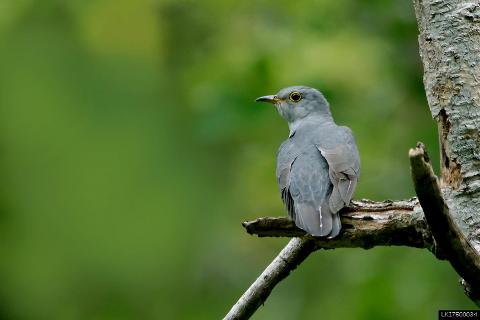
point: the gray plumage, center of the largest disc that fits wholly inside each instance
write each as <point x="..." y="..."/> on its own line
<point x="318" y="165"/>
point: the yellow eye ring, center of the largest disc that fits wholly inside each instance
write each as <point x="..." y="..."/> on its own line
<point x="295" y="96"/>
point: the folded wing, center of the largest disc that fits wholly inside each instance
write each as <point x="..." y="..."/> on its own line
<point x="344" y="169"/>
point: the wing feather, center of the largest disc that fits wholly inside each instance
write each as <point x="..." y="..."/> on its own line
<point x="344" y="169"/>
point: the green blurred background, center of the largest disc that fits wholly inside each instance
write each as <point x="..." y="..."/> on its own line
<point x="131" y="149"/>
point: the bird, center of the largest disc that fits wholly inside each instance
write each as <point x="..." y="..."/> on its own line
<point x="318" y="165"/>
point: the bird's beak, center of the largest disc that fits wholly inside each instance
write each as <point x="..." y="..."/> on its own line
<point x="270" y="99"/>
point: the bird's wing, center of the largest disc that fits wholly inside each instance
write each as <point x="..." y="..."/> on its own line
<point x="344" y="168"/>
<point x="286" y="156"/>
<point x="305" y="184"/>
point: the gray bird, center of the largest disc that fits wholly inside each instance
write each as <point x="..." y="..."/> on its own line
<point x="318" y="165"/>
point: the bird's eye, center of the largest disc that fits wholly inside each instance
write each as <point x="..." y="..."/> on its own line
<point x="295" y="96"/>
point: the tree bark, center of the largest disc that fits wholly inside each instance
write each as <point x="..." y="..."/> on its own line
<point x="449" y="44"/>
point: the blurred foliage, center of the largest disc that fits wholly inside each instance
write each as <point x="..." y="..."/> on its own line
<point x="131" y="150"/>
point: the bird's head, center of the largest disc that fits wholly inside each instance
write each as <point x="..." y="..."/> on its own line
<point x="298" y="102"/>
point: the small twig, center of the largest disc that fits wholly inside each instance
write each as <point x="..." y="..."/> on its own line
<point x="453" y="244"/>
<point x="297" y="250"/>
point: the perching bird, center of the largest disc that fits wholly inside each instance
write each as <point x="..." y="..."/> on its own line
<point x="318" y="165"/>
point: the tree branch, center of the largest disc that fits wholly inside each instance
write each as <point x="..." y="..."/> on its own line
<point x="365" y="224"/>
<point x="457" y="249"/>
<point x="297" y="250"/>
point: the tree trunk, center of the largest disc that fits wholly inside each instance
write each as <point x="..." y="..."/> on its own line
<point x="450" y="50"/>
<point x="449" y="43"/>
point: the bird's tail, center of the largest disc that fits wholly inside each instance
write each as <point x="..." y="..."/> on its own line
<point x="336" y="225"/>
<point x="315" y="221"/>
